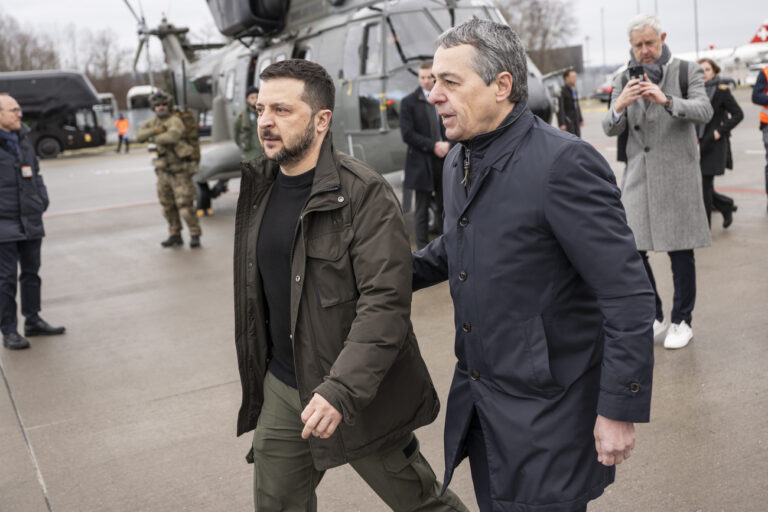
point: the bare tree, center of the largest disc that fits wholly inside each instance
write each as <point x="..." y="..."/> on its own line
<point x="104" y="60"/>
<point x="541" y="24"/>
<point x="24" y="49"/>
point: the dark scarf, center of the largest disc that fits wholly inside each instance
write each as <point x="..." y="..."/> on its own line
<point x="654" y="70"/>
<point x="11" y="141"/>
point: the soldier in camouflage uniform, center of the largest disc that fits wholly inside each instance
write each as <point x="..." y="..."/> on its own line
<point x="174" y="166"/>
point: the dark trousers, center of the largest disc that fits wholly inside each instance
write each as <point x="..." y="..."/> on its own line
<point x="478" y="464"/>
<point x="24" y="254"/>
<point x="120" y="140"/>
<point x="684" y="280"/>
<point x="714" y="200"/>
<point x="423" y="199"/>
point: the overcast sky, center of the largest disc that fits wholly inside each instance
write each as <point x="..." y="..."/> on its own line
<point x="722" y="23"/>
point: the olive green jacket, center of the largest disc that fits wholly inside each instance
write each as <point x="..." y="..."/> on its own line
<point x="350" y="307"/>
<point x="247" y="136"/>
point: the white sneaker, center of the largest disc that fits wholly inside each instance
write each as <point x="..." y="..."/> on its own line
<point x="659" y="328"/>
<point x="678" y="336"/>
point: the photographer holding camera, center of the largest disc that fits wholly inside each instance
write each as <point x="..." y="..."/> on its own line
<point x="660" y="105"/>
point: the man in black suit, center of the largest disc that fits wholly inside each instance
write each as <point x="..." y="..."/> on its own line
<point x="569" y="115"/>
<point x="427" y="146"/>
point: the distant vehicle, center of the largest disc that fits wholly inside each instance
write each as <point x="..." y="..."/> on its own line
<point x="59" y="107"/>
<point x="139" y="109"/>
<point x="602" y="92"/>
<point x="370" y="47"/>
<point x="108" y="112"/>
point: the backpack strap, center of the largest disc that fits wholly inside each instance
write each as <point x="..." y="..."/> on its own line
<point x="683" y="78"/>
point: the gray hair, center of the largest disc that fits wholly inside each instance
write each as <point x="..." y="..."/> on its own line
<point x="497" y="49"/>
<point x="644" y="20"/>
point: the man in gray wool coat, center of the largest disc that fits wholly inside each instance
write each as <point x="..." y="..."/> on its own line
<point x="661" y="188"/>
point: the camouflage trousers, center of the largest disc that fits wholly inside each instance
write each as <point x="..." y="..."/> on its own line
<point x="177" y="194"/>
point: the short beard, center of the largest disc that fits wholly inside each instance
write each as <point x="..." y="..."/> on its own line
<point x="291" y="155"/>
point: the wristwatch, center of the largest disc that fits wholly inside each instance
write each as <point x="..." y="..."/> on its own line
<point x="668" y="103"/>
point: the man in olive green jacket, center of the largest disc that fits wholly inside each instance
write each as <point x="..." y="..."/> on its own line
<point x="330" y="369"/>
<point x="174" y="166"/>
<point x="246" y="129"/>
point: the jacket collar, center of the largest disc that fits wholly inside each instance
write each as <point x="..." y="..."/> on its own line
<point x="511" y="131"/>
<point x="264" y="171"/>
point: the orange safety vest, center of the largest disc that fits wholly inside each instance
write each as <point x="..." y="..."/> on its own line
<point x="764" y="110"/>
<point x="123" y="126"/>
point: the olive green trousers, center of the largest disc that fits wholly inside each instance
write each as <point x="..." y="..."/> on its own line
<point x="285" y="478"/>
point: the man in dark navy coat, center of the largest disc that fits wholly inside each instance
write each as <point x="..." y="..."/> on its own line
<point x="23" y="199"/>
<point x="552" y="305"/>
<point x="422" y="130"/>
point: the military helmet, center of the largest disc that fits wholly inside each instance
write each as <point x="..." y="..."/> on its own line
<point x="160" y="97"/>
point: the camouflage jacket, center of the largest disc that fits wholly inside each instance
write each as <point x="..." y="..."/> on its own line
<point x="173" y="152"/>
<point x="247" y="136"/>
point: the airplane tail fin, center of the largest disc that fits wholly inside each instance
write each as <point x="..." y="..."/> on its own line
<point x="761" y="36"/>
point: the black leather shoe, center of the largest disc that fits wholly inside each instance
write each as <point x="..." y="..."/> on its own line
<point x="41" y="328"/>
<point x="15" y="341"/>
<point x="172" y="241"/>
<point x="728" y="216"/>
<point x="194" y="242"/>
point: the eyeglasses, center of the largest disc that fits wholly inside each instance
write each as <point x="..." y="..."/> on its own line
<point x="16" y="110"/>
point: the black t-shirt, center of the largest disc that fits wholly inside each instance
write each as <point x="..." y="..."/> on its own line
<point x="274" y="256"/>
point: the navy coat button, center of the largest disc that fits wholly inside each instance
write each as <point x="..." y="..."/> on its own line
<point x="462" y="276"/>
<point x="463" y="222"/>
<point x="634" y="387"/>
<point x="466" y="327"/>
<point x="474" y="374"/>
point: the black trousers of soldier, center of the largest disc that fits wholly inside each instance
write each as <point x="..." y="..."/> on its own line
<point x="26" y="255"/>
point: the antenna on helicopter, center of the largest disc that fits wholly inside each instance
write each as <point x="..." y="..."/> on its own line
<point x="144" y="34"/>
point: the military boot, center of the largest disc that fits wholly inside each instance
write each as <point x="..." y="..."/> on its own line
<point x="172" y="241"/>
<point x="194" y="241"/>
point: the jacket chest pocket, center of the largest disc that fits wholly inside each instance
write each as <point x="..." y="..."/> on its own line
<point x="330" y="267"/>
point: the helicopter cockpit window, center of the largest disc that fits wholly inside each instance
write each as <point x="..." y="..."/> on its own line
<point x="410" y="38"/>
<point x="450" y="18"/>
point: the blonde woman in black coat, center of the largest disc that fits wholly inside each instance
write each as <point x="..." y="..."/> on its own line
<point x="714" y="143"/>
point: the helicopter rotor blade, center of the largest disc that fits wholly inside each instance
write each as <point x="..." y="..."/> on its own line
<point x="138" y="20"/>
<point x="138" y="53"/>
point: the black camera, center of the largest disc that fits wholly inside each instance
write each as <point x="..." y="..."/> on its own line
<point x="636" y="72"/>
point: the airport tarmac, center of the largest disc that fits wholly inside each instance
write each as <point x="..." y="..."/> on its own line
<point x="134" y="408"/>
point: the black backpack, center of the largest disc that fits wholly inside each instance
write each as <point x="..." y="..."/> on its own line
<point x="621" y="144"/>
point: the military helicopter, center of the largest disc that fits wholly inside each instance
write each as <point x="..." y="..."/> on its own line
<point x="371" y="47"/>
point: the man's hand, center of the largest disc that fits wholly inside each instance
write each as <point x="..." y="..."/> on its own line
<point x="652" y="92"/>
<point x="160" y="129"/>
<point x="716" y="135"/>
<point x="442" y="148"/>
<point x="320" y="418"/>
<point x="614" y="440"/>
<point x="628" y="95"/>
<point x="562" y="127"/>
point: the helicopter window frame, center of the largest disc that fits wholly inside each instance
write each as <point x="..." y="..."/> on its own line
<point x="229" y="85"/>
<point x="369" y="66"/>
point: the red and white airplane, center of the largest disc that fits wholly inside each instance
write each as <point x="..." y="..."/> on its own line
<point x="742" y="63"/>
